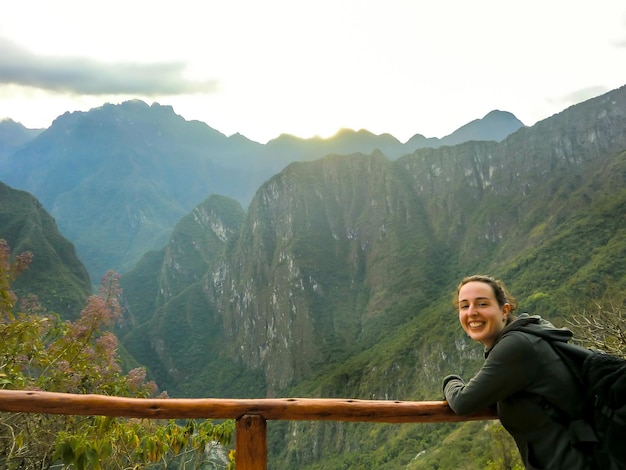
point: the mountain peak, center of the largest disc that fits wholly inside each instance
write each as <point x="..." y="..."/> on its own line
<point x="495" y="125"/>
<point x="13" y="135"/>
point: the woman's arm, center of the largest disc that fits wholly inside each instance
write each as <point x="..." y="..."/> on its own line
<point x="509" y="368"/>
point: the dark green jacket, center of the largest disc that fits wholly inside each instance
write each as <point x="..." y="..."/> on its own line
<point x="519" y="368"/>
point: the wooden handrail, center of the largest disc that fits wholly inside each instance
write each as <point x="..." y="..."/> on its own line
<point x="251" y="414"/>
<point x="292" y="409"/>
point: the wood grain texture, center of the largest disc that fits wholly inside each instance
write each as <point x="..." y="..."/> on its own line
<point x="290" y="409"/>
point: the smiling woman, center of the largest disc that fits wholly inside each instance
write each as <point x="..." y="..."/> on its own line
<point x="523" y="377"/>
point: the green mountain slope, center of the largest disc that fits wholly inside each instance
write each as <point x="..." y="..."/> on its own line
<point x="339" y="279"/>
<point x="167" y="288"/>
<point x="56" y="276"/>
<point x="119" y="177"/>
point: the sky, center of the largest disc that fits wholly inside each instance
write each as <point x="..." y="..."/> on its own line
<point x="262" y="68"/>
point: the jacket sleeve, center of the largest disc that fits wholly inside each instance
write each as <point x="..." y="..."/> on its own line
<point x="509" y="368"/>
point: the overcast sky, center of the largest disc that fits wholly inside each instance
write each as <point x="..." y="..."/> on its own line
<point x="267" y="67"/>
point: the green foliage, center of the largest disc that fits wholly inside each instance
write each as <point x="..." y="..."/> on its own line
<point x="471" y="446"/>
<point x="145" y="444"/>
<point x="41" y="352"/>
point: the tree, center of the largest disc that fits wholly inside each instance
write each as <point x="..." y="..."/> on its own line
<point x="505" y="455"/>
<point x="39" y="351"/>
<point x="602" y="325"/>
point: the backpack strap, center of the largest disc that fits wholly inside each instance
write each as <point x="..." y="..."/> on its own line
<point x="581" y="432"/>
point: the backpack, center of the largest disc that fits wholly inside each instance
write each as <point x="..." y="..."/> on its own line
<point x="599" y="429"/>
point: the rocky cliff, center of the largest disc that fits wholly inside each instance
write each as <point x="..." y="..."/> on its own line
<point x="336" y="255"/>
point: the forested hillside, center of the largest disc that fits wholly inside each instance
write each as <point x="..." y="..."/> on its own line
<point x="338" y="280"/>
<point x="56" y="274"/>
<point x="118" y="178"/>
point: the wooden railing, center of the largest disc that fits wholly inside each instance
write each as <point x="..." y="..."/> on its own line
<point x="251" y="415"/>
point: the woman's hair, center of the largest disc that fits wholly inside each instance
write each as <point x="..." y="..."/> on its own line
<point x="502" y="294"/>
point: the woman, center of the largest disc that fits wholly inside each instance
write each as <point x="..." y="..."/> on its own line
<point x="522" y="376"/>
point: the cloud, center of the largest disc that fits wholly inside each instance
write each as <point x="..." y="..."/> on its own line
<point x="620" y="43"/>
<point x="583" y="94"/>
<point x="84" y="76"/>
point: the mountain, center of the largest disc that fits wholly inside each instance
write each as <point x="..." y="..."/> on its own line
<point x="338" y="280"/>
<point x="14" y="135"/>
<point x="56" y="276"/>
<point x="119" y="177"/>
<point x="496" y="125"/>
<point x="166" y="288"/>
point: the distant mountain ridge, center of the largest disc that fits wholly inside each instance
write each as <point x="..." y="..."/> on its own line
<point x="14" y="135"/>
<point x="496" y="125"/>
<point x="119" y="177"/>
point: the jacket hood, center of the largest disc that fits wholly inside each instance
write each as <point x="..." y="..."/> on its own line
<point x="538" y="326"/>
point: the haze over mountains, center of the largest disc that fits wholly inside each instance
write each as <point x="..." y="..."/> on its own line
<point x="119" y="177"/>
<point x="14" y="135"/>
<point x="334" y="278"/>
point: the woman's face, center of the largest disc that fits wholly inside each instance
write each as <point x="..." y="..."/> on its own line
<point x="479" y="313"/>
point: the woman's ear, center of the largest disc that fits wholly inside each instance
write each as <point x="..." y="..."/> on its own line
<point x="506" y="309"/>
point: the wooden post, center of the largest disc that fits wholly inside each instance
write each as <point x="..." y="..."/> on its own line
<point x="251" y="443"/>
